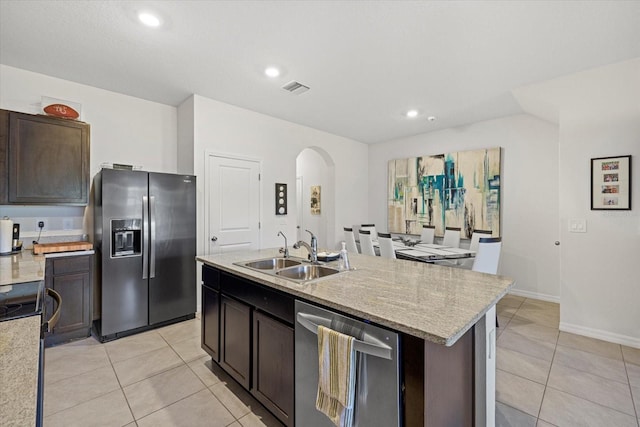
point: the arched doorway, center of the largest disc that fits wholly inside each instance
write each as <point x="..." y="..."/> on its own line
<point x="315" y="179"/>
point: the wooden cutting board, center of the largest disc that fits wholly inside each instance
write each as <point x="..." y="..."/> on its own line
<point x="47" y="248"/>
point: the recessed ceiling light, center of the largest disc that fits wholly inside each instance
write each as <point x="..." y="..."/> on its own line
<point x="431" y="118"/>
<point x="412" y="114"/>
<point x="272" y="72"/>
<point x="149" y="19"/>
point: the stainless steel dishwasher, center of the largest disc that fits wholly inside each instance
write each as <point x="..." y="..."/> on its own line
<point x="377" y="401"/>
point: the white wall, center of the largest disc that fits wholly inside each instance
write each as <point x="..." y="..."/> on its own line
<point x="314" y="171"/>
<point x="600" y="268"/>
<point x="530" y="212"/>
<point x="225" y="129"/>
<point x="124" y="129"/>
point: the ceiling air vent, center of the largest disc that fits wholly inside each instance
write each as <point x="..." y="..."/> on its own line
<point x="295" y="87"/>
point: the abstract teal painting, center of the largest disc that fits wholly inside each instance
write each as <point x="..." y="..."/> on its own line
<point x="460" y="189"/>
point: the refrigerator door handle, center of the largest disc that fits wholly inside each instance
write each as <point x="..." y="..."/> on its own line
<point x="152" y="241"/>
<point x="145" y="238"/>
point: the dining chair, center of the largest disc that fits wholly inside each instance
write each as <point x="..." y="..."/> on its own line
<point x="428" y="233"/>
<point x="473" y="246"/>
<point x="451" y="237"/>
<point x="488" y="255"/>
<point x="386" y="246"/>
<point x="372" y="229"/>
<point x="350" y="240"/>
<point x="366" y="244"/>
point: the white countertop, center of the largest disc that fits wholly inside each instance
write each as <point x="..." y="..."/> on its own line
<point x="436" y="303"/>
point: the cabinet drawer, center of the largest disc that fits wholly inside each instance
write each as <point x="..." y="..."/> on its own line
<point x="211" y="277"/>
<point x="72" y="264"/>
<point x="267" y="300"/>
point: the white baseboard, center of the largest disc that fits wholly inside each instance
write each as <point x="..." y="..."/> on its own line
<point x="600" y="334"/>
<point x="534" y="295"/>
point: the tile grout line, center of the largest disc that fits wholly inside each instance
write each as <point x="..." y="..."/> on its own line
<point x="546" y="384"/>
<point x="633" y="401"/>
<point x="121" y="388"/>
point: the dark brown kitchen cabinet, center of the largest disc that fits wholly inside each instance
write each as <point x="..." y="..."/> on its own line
<point x="235" y="339"/>
<point x="211" y="322"/>
<point x="256" y="337"/>
<point x="70" y="276"/>
<point x="273" y="381"/>
<point x="46" y="159"/>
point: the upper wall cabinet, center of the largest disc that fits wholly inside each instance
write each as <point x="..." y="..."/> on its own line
<point x="46" y="160"/>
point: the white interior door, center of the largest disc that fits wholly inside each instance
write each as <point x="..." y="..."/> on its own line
<point x="233" y="204"/>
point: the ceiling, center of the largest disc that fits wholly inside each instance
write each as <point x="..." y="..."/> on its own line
<point x="366" y="62"/>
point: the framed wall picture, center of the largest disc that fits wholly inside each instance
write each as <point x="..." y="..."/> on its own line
<point x="315" y="200"/>
<point x="611" y="183"/>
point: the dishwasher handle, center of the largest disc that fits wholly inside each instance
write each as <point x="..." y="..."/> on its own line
<point x="371" y="346"/>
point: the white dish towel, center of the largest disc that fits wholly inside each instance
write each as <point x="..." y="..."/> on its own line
<point x="336" y="376"/>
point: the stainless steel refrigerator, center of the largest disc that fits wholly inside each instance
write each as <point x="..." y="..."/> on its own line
<point x="145" y="238"/>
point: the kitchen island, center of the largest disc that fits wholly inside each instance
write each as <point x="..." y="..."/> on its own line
<point x="446" y="318"/>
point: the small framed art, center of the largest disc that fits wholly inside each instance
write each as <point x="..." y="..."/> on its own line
<point x="611" y="183"/>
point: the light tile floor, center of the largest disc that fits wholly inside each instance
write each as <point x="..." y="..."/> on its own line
<point x="162" y="378"/>
<point x="550" y="378"/>
<point x="157" y="378"/>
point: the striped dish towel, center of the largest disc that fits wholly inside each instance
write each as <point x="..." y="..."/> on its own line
<point x="336" y="376"/>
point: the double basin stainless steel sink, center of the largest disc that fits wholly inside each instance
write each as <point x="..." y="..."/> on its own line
<point x="293" y="269"/>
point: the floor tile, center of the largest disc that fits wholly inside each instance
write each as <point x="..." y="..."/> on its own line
<point x="65" y="362"/>
<point x="511" y="301"/>
<point x="206" y="370"/>
<point x="592" y="345"/>
<point x="631" y="355"/>
<point x="201" y="409"/>
<point x="533" y="330"/>
<point x="591" y="387"/>
<point x="506" y="416"/>
<point x="589" y="362"/>
<point x="234" y="398"/>
<point x="635" y="392"/>
<point x="259" y="418"/>
<point x="513" y="341"/>
<point x="107" y="410"/>
<point x="179" y="331"/>
<point x="161" y="390"/>
<point x="566" y="410"/>
<point x="519" y="393"/>
<point x="536" y="304"/>
<point x="140" y="367"/>
<point x="544" y="424"/>
<point x="506" y="311"/>
<point x="539" y="317"/>
<point x="633" y="372"/>
<point x="189" y="349"/>
<point x="525" y="366"/>
<point x="135" y="345"/>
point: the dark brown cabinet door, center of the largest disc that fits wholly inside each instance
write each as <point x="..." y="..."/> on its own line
<point x="235" y="340"/>
<point x="48" y="160"/>
<point x="273" y="381"/>
<point x="71" y="278"/>
<point x="211" y="322"/>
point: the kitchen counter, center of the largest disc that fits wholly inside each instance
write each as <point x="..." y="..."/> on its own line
<point x="19" y="359"/>
<point x="431" y="302"/>
<point x="26" y="267"/>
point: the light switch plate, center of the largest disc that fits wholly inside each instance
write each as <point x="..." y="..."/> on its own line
<point x="577" y="225"/>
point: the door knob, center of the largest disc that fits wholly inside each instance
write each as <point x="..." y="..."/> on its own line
<point x="214" y="238"/>
<point x="557" y="243"/>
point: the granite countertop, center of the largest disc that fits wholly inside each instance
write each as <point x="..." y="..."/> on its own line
<point x="436" y="303"/>
<point x="19" y="357"/>
<point x="26" y="267"/>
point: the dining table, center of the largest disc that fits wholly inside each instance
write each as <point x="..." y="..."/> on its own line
<point x="426" y="252"/>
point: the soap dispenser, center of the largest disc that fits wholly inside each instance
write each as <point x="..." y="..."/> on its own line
<point x="344" y="258"/>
